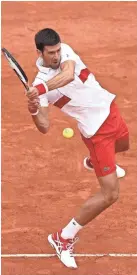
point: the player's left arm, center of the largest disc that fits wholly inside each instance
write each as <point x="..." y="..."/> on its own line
<point x="64" y="77"/>
<point x="61" y="79"/>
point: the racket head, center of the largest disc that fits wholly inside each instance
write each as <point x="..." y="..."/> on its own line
<point x="16" y="67"/>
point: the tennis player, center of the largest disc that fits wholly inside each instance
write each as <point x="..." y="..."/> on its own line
<point x="64" y="81"/>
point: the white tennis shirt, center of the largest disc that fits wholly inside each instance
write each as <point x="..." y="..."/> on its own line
<point x="83" y="98"/>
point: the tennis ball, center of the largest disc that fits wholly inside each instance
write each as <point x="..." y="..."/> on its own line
<point x="68" y="133"/>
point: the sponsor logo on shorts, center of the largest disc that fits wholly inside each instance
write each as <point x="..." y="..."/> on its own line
<point x="106" y="168"/>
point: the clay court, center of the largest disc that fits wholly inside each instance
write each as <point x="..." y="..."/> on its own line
<point x="43" y="178"/>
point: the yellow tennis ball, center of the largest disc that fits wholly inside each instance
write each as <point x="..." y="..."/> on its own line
<point x="68" y="133"/>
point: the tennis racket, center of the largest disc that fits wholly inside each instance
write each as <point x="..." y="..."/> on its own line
<point x="17" y="68"/>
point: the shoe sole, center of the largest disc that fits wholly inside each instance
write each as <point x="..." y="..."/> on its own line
<point x="86" y="166"/>
<point x="52" y="243"/>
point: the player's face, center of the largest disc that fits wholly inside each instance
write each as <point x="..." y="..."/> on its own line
<point x="52" y="55"/>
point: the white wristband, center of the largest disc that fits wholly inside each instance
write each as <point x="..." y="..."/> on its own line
<point x="34" y="114"/>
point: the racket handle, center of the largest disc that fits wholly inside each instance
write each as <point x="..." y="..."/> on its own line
<point x="27" y="87"/>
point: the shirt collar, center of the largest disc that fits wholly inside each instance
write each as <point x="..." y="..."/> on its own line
<point x="39" y="64"/>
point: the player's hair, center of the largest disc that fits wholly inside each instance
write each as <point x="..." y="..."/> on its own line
<point x="46" y="37"/>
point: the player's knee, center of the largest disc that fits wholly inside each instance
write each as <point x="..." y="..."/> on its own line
<point x="110" y="188"/>
<point x="111" y="197"/>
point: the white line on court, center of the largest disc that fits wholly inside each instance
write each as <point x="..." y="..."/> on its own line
<point x="129" y="255"/>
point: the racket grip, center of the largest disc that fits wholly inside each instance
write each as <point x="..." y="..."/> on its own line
<point x="27" y="87"/>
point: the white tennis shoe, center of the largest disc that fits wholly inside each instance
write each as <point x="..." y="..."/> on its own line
<point x="88" y="165"/>
<point x="64" y="249"/>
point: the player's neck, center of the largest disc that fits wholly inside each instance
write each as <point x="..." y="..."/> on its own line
<point x="44" y="64"/>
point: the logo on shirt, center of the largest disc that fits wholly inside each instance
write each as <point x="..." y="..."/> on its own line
<point x="106" y="168"/>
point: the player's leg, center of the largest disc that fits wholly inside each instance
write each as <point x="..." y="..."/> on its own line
<point x="64" y="241"/>
<point x="95" y="205"/>
<point x="103" y="156"/>
<point x="103" y="159"/>
<point x="102" y="152"/>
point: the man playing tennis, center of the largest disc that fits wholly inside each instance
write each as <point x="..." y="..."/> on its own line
<point x="64" y="81"/>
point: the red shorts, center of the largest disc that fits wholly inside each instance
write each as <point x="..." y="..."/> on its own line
<point x="102" y="145"/>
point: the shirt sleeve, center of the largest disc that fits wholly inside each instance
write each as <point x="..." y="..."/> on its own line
<point x="43" y="98"/>
<point x="67" y="53"/>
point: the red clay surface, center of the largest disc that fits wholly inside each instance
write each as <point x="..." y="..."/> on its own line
<point x="43" y="179"/>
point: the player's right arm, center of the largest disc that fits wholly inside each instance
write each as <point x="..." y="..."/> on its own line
<point x="39" y="113"/>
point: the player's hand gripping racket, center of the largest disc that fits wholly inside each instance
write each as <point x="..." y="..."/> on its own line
<point x="17" y="68"/>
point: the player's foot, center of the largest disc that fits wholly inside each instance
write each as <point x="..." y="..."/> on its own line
<point x="64" y="249"/>
<point x="88" y="165"/>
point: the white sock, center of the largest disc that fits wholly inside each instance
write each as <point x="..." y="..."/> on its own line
<point x="71" y="230"/>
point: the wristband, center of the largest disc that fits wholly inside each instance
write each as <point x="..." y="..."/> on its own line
<point x="34" y="114"/>
<point x="42" y="88"/>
